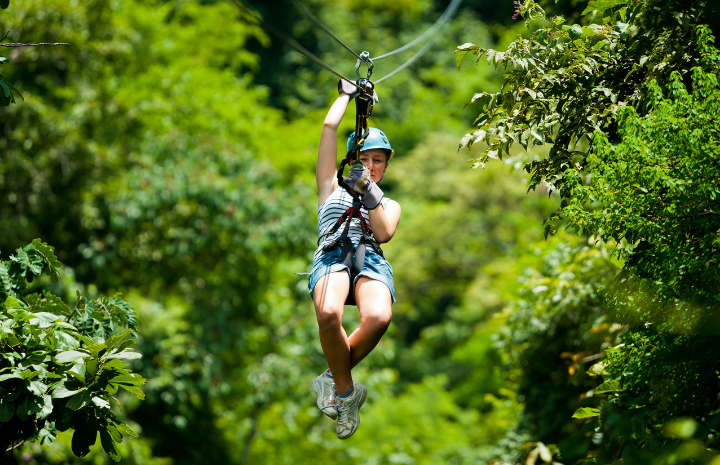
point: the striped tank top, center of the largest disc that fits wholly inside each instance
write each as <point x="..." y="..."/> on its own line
<point x="329" y="213"/>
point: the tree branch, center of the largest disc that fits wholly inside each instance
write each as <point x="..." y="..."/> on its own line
<point x="16" y="446"/>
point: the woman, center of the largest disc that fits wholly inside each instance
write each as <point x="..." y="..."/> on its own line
<point x="338" y="396"/>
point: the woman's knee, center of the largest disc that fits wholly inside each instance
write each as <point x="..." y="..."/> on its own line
<point x="329" y="316"/>
<point x="378" y="319"/>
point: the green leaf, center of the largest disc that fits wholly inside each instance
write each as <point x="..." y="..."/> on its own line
<point x="44" y="319"/>
<point x="134" y="390"/>
<point x="126" y="429"/>
<point x="126" y="355"/>
<point x="134" y="379"/>
<point x="460" y="58"/>
<point x="10" y="376"/>
<point x="79" y="400"/>
<point x="576" y="31"/>
<point x="116" y="435"/>
<point x="48" y="253"/>
<point x="100" y="402"/>
<point x="109" y="445"/>
<point x="36" y="387"/>
<point x="115" y="340"/>
<point x="47" y="407"/>
<point x="586" y="412"/>
<point x="7" y="409"/>
<point x="11" y="303"/>
<point x="84" y="437"/>
<point x="5" y="89"/>
<point x="608" y="386"/>
<point x="61" y="391"/>
<point x="71" y="356"/>
<point x="602" y="5"/>
<point x="5" y="278"/>
<point x="597" y="369"/>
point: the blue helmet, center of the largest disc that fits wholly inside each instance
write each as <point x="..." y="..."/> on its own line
<point x="375" y="140"/>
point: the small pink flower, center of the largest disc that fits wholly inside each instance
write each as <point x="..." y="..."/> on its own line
<point x="518" y="6"/>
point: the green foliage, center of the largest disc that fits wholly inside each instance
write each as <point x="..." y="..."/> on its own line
<point x="554" y="329"/>
<point x="656" y="195"/>
<point x="61" y="369"/>
<point x="565" y="82"/>
<point x="635" y="164"/>
<point x="661" y="378"/>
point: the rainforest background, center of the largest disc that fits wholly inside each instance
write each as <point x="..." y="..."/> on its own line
<point x="168" y="153"/>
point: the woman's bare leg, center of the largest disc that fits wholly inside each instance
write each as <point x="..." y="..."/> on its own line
<point x="375" y="307"/>
<point x="329" y="296"/>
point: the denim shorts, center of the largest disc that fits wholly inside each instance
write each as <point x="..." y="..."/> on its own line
<point x="375" y="267"/>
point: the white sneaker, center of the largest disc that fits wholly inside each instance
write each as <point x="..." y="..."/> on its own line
<point x="325" y="389"/>
<point x="349" y="412"/>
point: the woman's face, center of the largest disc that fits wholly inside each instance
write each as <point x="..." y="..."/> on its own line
<point x="375" y="160"/>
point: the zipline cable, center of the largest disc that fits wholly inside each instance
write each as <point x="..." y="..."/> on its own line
<point x="407" y="63"/>
<point x="314" y="19"/>
<point x="291" y="42"/>
<point x="449" y="12"/>
<point x="445" y="18"/>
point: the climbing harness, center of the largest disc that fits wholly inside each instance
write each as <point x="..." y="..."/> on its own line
<point x="354" y="257"/>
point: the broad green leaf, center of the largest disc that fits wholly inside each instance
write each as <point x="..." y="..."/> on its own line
<point x="126" y="429"/>
<point x="597" y="369"/>
<point x="608" y="386"/>
<point x="100" y="402"/>
<point x="460" y="58"/>
<point x="29" y="373"/>
<point x="5" y="278"/>
<point x="7" y="408"/>
<point x="62" y="392"/>
<point x="115" y="340"/>
<point x="134" y="379"/>
<point x="586" y="412"/>
<point x="468" y="46"/>
<point x="602" y="5"/>
<point x="11" y="303"/>
<point x="134" y="390"/>
<point x="44" y="320"/>
<point x="109" y="445"/>
<point x="71" y="356"/>
<point x="47" y="407"/>
<point x="36" y="387"/>
<point x="79" y="400"/>
<point x="5" y="90"/>
<point x="83" y="438"/>
<point x="10" y="376"/>
<point x="48" y="253"/>
<point x="115" y="433"/>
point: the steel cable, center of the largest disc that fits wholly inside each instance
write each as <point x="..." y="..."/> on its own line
<point x="444" y="19"/>
<point x="291" y="42"/>
<point x="449" y="12"/>
<point x="314" y="19"/>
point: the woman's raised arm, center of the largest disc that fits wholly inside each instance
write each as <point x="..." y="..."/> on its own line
<point x="326" y="169"/>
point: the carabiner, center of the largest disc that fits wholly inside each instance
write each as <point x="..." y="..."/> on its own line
<point x="364" y="58"/>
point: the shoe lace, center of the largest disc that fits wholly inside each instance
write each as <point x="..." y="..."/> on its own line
<point x="342" y="412"/>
